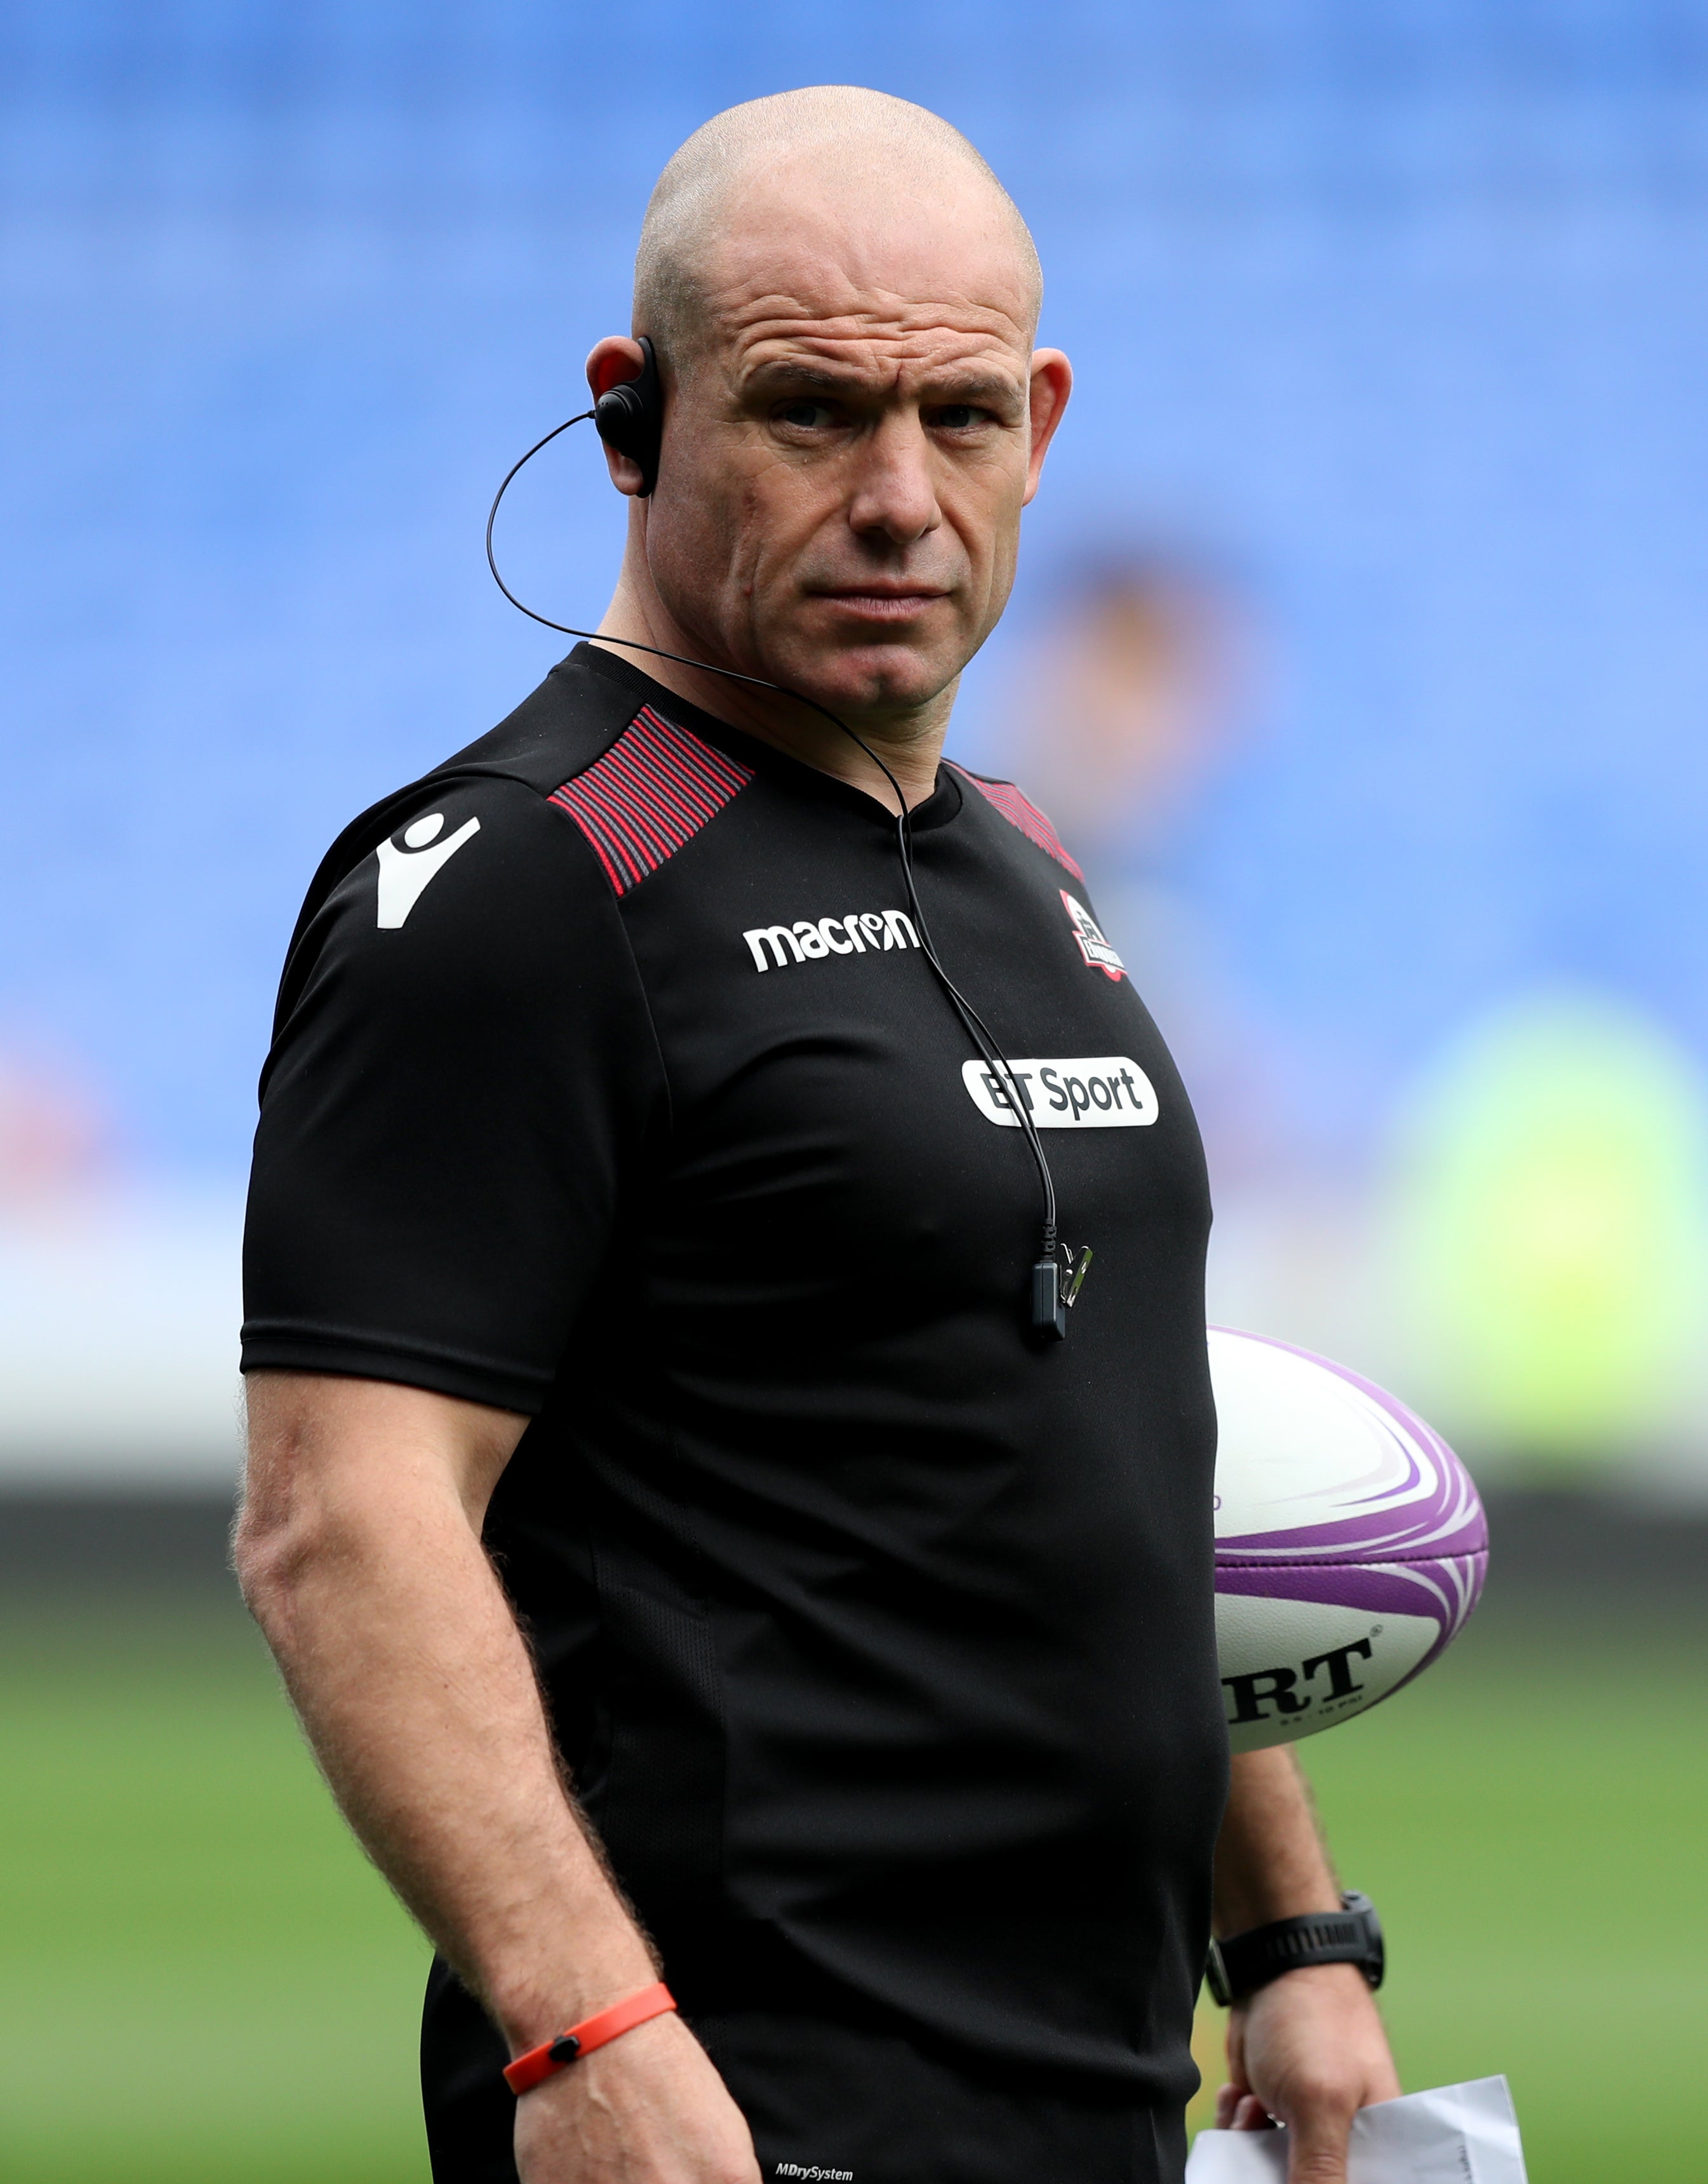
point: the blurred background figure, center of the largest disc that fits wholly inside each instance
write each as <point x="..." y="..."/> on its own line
<point x="56" y="1147"/>
<point x="1548" y="1241"/>
<point x="116" y="1291"/>
<point x="1126" y="700"/>
<point x="1133" y="697"/>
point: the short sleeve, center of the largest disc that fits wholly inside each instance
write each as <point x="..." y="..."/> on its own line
<point x="462" y="1080"/>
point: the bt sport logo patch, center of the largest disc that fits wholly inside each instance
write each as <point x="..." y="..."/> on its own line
<point x="1092" y="1092"/>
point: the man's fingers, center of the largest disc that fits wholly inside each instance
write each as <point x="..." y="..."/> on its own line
<point x="1316" y="2148"/>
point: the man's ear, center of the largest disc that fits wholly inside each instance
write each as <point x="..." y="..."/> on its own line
<point x="613" y="362"/>
<point x="1051" y="383"/>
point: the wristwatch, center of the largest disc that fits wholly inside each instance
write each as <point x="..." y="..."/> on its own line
<point x="1244" y="1963"/>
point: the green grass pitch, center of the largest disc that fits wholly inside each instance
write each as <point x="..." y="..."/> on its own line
<point x="201" y="1982"/>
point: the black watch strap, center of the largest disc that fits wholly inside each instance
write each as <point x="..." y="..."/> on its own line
<point x="1245" y="1962"/>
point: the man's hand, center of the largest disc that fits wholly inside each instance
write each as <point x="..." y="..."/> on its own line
<point x="1307" y="2051"/>
<point x="649" y="2109"/>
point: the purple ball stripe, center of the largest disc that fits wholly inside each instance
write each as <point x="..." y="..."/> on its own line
<point x="1445" y="1590"/>
<point x="1446" y="1519"/>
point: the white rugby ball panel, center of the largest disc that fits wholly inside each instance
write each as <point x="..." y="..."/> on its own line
<point x="1337" y="1510"/>
<point x="1290" y="1667"/>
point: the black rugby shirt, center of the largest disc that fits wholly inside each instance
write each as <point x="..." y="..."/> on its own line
<point x="610" y="1084"/>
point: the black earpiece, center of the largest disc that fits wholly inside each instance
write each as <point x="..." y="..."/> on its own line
<point x="630" y="418"/>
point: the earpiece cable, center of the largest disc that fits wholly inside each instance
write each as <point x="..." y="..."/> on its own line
<point x="1002" y="1070"/>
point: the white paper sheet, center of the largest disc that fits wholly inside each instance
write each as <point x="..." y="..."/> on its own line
<point x="1463" y="2134"/>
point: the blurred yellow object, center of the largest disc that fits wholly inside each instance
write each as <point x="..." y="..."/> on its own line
<point x="1551" y="1241"/>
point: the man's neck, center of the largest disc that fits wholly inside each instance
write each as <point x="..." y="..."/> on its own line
<point x="910" y="749"/>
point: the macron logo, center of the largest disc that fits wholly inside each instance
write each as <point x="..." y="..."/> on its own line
<point x="405" y="873"/>
<point x="811" y="939"/>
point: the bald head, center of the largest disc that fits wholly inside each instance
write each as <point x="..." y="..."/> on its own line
<point x="844" y="301"/>
<point x="833" y="155"/>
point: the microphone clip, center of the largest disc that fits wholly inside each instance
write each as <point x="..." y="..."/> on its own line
<point x="1056" y="1282"/>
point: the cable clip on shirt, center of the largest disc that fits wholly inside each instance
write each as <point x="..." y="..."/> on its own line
<point x="1055" y="1286"/>
<point x="545" y="2061"/>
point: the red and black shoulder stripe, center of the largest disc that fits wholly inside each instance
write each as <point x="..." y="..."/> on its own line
<point x="1021" y="811"/>
<point x="651" y="793"/>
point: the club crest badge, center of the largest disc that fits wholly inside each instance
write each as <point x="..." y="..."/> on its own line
<point x="1088" y="935"/>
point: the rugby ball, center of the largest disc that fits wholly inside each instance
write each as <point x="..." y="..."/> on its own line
<point x="1350" y="1545"/>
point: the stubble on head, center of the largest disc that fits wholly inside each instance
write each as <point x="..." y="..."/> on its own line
<point x="837" y="135"/>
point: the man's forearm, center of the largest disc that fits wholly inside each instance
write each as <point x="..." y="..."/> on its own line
<point x="363" y="1565"/>
<point x="1271" y="1861"/>
<point x="1307" y="2050"/>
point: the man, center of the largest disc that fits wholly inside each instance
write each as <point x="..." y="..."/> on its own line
<point x="684" y="1555"/>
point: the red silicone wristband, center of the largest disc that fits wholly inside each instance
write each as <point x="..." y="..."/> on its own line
<point x="545" y="2061"/>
